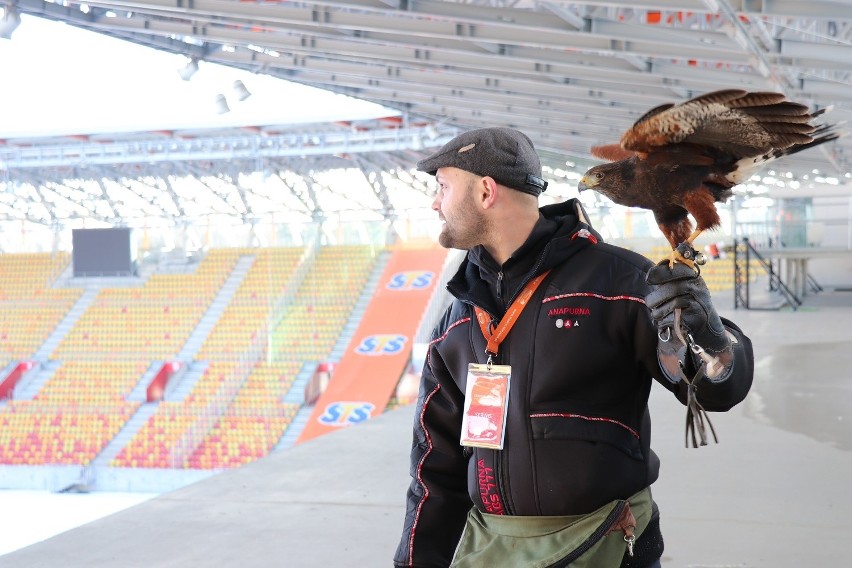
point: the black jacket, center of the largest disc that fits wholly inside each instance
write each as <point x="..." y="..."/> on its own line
<point x="583" y="355"/>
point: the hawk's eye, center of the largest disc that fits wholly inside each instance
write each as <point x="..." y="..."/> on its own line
<point x="599" y="175"/>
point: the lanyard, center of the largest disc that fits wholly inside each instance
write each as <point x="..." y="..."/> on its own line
<point x="502" y="330"/>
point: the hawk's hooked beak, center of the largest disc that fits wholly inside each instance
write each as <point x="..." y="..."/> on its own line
<point x="583" y="184"/>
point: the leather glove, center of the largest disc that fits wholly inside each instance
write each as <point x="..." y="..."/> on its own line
<point x="686" y="321"/>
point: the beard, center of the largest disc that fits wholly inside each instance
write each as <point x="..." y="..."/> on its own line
<point x="465" y="226"/>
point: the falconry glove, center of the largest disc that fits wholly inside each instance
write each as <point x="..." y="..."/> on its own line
<point x="693" y="341"/>
<point x="686" y="320"/>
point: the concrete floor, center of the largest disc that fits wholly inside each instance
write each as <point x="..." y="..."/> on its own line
<point x="773" y="492"/>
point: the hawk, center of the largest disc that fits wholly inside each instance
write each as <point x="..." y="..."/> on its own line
<point x="681" y="159"/>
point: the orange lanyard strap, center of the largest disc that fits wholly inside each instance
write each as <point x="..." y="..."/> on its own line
<point x="502" y="330"/>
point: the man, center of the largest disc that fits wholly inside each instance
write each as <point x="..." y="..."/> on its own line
<point x="532" y="432"/>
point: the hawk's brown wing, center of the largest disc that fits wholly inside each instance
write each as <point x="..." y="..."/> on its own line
<point x="731" y="121"/>
<point x="616" y="152"/>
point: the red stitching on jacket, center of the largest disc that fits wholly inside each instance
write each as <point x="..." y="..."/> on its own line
<point x="589" y="418"/>
<point x="429" y="443"/>
<point x="420" y="479"/>
<point x="592" y="295"/>
<point x="444" y="336"/>
<point x="451" y="326"/>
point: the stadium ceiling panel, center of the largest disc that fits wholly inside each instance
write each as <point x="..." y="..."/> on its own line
<point x="570" y="74"/>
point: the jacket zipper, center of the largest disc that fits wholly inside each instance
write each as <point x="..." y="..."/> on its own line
<point x="503" y="488"/>
<point x="533" y="273"/>
<point x="498" y="462"/>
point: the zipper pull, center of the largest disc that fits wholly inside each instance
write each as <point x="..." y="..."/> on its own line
<point x="625" y="523"/>
<point x="500" y="285"/>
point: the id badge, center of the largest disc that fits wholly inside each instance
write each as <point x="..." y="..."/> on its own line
<point x="485" y="402"/>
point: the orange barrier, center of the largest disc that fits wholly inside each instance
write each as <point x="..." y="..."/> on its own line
<point x="367" y="374"/>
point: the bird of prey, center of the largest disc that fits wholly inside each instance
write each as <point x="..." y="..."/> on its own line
<point x="681" y="159"/>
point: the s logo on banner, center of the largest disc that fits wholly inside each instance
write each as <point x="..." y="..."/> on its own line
<point x="410" y="280"/>
<point x="346" y="413"/>
<point x="381" y="344"/>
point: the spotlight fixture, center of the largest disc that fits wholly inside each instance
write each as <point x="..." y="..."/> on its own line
<point x="431" y="132"/>
<point x="189" y="70"/>
<point x="222" y="105"/>
<point x="9" y="22"/>
<point x="241" y="91"/>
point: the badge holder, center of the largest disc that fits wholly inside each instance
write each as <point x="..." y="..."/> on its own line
<point x="485" y="403"/>
<point x="487" y="391"/>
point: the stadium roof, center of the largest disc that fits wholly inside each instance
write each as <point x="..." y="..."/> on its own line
<point x="570" y="74"/>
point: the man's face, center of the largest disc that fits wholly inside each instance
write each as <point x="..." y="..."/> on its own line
<point x="456" y="204"/>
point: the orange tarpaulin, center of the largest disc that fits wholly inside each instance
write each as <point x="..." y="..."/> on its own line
<point x="367" y="374"/>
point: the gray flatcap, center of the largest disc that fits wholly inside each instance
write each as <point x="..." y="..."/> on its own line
<point x="504" y="154"/>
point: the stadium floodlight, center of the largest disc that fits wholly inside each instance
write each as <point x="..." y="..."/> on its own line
<point x="9" y="22"/>
<point x="241" y="91"/>
<point x="431" y="132"/>
<point x="188" y="70"/>
<point x="222" y="105"/>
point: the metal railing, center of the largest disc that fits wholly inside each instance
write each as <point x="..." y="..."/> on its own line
<point x="744" y="251"/>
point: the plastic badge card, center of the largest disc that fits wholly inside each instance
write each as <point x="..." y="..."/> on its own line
<point x="485" y="403"/>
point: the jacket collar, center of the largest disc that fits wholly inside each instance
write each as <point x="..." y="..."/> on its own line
<point x="552" y="241"/>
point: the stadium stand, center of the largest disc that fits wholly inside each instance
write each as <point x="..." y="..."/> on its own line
<point x="162" y="441"/>
<point x="72" y="417"/>
<point x="254" y="422"/>
<point x="235" y="413"/>
<point x="31" y="309"/>
<point x="37" y="435"/>
<point x="320" y="308"/>
<point x="234" y="335"/>
<point x="246" y="318"/>
<point x="152" y="321"/>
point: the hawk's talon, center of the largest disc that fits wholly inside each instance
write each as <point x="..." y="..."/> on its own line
<point x="685" y="254"/>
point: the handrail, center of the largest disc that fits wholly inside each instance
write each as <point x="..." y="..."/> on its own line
<point x="742" y="279"/>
